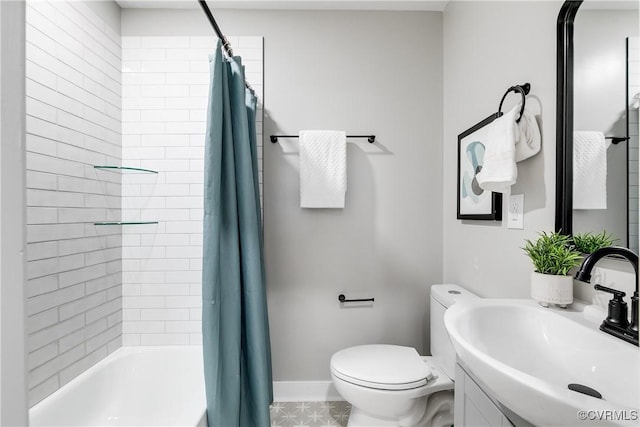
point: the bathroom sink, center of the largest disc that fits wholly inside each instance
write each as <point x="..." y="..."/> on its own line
<point x="525" y="356"/>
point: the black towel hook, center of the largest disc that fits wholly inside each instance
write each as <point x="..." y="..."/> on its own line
<point x="523" y="90"/>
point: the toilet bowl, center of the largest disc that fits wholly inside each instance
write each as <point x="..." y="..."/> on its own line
<point x="392" y="385"/>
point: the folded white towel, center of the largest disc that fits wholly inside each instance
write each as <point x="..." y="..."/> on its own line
<point x="589" y="170"/>
<point x="527" y="136"/>
<point x="323" y="168"/>
<point x="499" y="170"/>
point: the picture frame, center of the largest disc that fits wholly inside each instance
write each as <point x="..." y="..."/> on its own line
<point x="473" y="202"/>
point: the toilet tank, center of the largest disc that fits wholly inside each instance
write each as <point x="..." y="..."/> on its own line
<point x="442" y="297"/>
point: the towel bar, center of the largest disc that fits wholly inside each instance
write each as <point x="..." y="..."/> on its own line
<point x="615" y="140"/>
<point x="370" y="138"/>
<point x="342" y="298"/>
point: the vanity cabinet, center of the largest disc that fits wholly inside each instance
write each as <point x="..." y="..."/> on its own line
<point x="472" y="407"/>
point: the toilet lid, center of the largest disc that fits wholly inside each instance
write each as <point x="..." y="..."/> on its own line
<point x="382" y="366"/>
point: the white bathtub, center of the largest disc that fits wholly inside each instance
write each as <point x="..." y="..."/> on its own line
<point x="134" y="386"/>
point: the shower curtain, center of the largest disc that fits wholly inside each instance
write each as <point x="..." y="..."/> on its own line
<point x="237" y="354"/>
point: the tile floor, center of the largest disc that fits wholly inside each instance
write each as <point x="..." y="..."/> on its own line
<point x="310" y="414"/>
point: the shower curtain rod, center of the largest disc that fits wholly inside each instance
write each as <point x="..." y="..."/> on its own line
<point x="225" y="42"/>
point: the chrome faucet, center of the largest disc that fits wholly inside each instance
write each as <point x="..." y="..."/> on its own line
<point x="616" y="322"/>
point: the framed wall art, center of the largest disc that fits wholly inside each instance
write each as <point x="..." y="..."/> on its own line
<point x="473" y="201"/>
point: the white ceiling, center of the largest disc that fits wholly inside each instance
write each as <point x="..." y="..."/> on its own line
<point x="432" y="5"/>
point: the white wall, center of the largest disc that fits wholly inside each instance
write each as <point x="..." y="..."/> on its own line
<point x="364" y="72"/>
<point x="13" y="384"/>
<point x="488" y="47"/>
<point x="165" y="95"/>
<point x="74" y="267"/>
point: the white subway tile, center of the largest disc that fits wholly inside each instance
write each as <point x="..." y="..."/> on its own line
<point x="195" y="313"/>
<point x="164" y="339"/>
<point x="165" y="264"/>
<point x="42" y="320"/>
<point x="139" y="128"/>
<point x="185" y="202"/>
<point x="41" y="180"/>
<point x="128" y="42"/>
<point x="101" y="340"/>
<point x="189" y="78"/>
<point x="200" y="42"/>
<point x="143" y="327"/>
<point x="41" y="250"/>
<point x="194" y="103"/>
<point x="164" y="42"/>
<point x="81" y="305"/>
<point x="162" y="289"/>
<point x="164" y="314"/>
<point x="166" y="66"/>
<point x="41" y="285"/>
<point x="177" y="327"/>
<point x="81" y="365"/>
<point x="183" y="301"/>
<point x="36" y="215"/>
<point x="185" y="153"/>
<point x="42" y="390"/>
<point x="42" y="355"/>
<point x="46" y="336"/>
<point x="80" y="336"/>
<point x="107" y="309"/>
<point x="102" y="283"/>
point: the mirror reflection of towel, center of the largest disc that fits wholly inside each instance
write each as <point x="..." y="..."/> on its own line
<point x="589" y="170"/>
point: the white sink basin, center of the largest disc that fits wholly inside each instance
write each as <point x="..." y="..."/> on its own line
<point x="526" y="355"/>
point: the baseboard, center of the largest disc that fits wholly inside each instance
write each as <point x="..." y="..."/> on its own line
<point x="304" y="391"/>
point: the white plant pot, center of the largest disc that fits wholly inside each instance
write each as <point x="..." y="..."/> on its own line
<point x="551" y="289"/>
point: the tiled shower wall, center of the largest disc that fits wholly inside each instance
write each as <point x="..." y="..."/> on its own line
<point x="634" y="88"/>
<point x="165" y="90"/>
<point x="73" y="123"/>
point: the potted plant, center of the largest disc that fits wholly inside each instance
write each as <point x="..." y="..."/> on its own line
<point x="588" y="243"/>
<point x="553" y="256"/>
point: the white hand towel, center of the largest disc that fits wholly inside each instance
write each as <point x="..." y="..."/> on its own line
<point x="589" y="170"/>
<point x="499" y="171"/>
<point x="527" y="136"/>
<point x="323" y="168"/>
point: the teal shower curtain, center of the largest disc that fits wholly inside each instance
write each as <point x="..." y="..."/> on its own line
<point x="237" y="353"/>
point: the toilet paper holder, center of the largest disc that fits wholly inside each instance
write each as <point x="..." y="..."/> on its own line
<point x="343" y="298"/>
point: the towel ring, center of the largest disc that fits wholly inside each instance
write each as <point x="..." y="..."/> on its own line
<point x="524" y="91"/>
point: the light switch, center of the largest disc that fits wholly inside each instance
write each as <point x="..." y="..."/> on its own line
<point x="515" y="214"/>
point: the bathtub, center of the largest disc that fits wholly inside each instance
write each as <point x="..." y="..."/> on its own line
<point x="134" y="386"/>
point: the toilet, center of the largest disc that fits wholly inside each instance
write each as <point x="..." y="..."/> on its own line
<point x="392" y="385"/>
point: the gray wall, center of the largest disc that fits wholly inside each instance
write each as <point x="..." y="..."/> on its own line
<point x="489" y="46"/>
<point x="364" y="72"/>
<point x="13" y="384"/>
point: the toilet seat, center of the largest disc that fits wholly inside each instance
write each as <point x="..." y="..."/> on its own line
<point x="382" y="367"/>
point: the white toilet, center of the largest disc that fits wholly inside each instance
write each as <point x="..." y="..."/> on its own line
<point x="391" y="385"/>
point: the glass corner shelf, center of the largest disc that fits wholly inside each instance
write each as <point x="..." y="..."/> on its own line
<point x="125" y="168"/>
<point x="125" y="222"/>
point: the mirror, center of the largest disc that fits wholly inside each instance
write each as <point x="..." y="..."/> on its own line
<point x="597" y="81"/>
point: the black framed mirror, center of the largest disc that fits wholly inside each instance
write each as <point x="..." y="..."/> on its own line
<point x="564" y="117"/>
<point x="594" y="94"/>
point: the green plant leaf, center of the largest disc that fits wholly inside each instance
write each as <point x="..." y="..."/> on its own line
<point x="588" y="243"/>
<point x="552" y="253"/>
